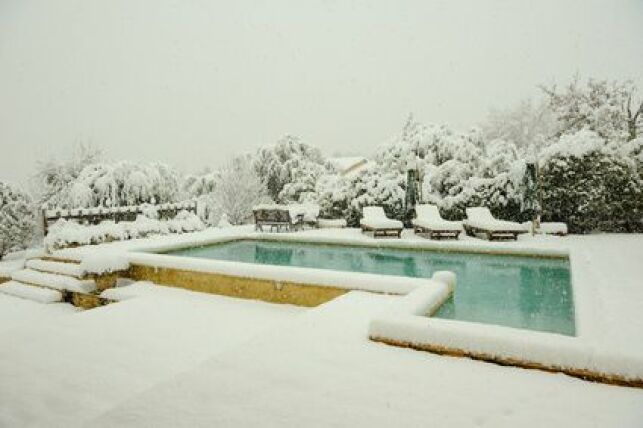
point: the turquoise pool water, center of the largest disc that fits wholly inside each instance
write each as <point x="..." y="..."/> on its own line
<point x="515" y="291"/>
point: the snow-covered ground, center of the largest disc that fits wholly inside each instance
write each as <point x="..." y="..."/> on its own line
<point x="169" y="357"/>
<point x="65" y="370"/>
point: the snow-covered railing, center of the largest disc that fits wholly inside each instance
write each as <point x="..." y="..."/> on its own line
<point x="127" y="213"/>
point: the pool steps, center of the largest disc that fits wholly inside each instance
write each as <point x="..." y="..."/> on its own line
<point x="48" y="280"/>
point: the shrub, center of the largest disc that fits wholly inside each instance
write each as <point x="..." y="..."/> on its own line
<point x="17" y="220"/>
<point x="594" y="191"/>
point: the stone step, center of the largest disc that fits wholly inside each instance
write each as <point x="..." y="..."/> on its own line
<point x="69" y="269"/>
<point x="55" y="281"/>
<point x="50" y="258"/>
<point x="30" y="292"/>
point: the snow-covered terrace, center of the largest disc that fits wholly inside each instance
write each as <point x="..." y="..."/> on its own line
<point x="168" y="357"/>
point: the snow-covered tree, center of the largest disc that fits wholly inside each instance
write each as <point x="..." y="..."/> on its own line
<point x="17" y="220"/>
<point x="608" y="108"/>
<point x="431" y="145"/>
<point x="238" y="188"/>
<point x="302" y="180"/>
<point x="54" y="177"/>
<point x="200" y="184"/>
<point x="500" y="155"/>
<point x="376" y="186"/>
<point x="526" y="124"/>
<point x="446" y="179"/>
<point x="333" y="195"/>
<point x="122" y="183"/>
<point x="289" y="162"/>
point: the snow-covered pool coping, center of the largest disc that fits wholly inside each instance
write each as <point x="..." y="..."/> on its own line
<point x="149" y="252"/>
<point x="406" y="324"/>
<point x="320" y="277"/>
<point x="339" y="237"/>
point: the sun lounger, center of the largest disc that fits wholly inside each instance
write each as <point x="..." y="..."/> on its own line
<point x="428" y="222"/>
<point x="374" y="220"/>
<point x="480" y="220"/>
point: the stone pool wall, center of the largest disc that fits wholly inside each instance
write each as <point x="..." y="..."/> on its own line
<point x="237" y="286"/>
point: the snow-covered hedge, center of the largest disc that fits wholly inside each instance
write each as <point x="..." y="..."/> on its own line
<point x="501" y="194"/>
<point x="66" y="233"/>
<point x="591" y="186"/>
<point x="17" y="222"/>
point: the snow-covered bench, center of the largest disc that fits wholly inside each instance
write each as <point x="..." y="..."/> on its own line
<point x="330" y="223"/>
<point x="429" y="222"/>
<point x="277" y="217"/>
<point x="480" y="220"/>
<point x="374" y="220"/>
<point x="548" y="228"/>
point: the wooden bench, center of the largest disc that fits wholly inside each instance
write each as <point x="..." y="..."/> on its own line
<point x="278" y="219"/>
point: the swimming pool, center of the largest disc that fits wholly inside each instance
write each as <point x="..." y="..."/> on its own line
<point x="515" y="291"/>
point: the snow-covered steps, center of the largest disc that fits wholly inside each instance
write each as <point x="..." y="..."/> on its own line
<point x="51" y="258"/>
<point x="61" y="268"/>
<point x="30" y="292"/>
<point x="55" y="281"/>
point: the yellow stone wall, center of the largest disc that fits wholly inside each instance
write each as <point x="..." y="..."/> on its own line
<point x="88" y="301"/>
<point x="236" y="286"/>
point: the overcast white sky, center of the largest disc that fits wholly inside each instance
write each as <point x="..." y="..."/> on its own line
<point x="193" y="82"/>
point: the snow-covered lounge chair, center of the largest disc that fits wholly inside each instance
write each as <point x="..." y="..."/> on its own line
<point x="374" y="220"/>
<point x="480" y="220"/>
<point x="430" y="223"/>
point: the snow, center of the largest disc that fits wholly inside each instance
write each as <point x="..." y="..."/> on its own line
<point x="17" y="312"/>
<point x="437" y="224"/>
<point x="349" y="165"/>
<point x="108" y="184"/>
<point x="65" y="233"/>
<point x="108" y="355"/>
<point x="481" y="218"/>
<point x="7" y="267"/>
<point x="37" y="294"/>
<point x="50" y="280"/>
<point x="104" y="262"/>
<point x="337" y="223"/>
<point x="169" y="357"/>
<point x="321" y="371"/>
<point x="576" y="145"/>
<point x="70" y="269"/>
<point x="375" y="217"/>
<point x="552" y="228"/>
<point x="381" y="223"/>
